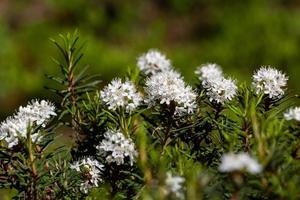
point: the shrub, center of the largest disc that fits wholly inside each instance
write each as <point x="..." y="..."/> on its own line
<point x="150" y="135"/>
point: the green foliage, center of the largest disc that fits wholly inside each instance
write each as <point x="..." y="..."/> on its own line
<point x="188" y="146"/>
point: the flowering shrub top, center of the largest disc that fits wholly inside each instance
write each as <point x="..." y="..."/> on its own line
<point x="270" y="81"/>
<point x="168" y="87"/>
<point x="36" y="113"/>
<point x="153" y="62"/>
<point x="118" y="95"/>
<point x="116" y="148"/>
<point x="153" y="136"/>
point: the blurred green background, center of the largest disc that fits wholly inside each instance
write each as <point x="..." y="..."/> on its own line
<point x="240" y="35"/>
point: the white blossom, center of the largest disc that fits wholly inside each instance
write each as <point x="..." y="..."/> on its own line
<point x="153" y="62"/>
<point x="217" y="87"/>
<point x="36" y="113"/>
<point x="270" y="81"/>
<point x="86" y="186"/>
<point x="174" y="185"/>
<point x="293" y="114"/>
<point x="166" y="87"/>
<point x="208" y="73"/>
<point x="91" y="171"/>
<point x="117" y="148"/>
<point x="221" y="90"/>
<point x="238" y="162"/>
<point x="121" y="94"/>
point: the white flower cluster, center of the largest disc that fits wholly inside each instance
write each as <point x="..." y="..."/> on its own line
<point x="91" y="171"/>
<point x="237" y="162"/>
<point x="207" y="73"/>
<point x="168" y="86"/>
<point x="36" y="113"/>
<point x="153" y="62"/>
<point x="174" y="185"/>
<point x="116" y="148"/>
<point x="218" y="88"/>
<point x="293" y="114"/>
<point x="270" y="81"/>
<point x="118" y="94"/>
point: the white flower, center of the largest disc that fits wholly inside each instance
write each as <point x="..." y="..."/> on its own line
<point x="86" y="186"/>
<point x="91" y="171"/>
<point x="152" y="62"/>
<point x="168" y="86"/>
<point x="36" y="113"/>
<point x="118" y="94"/>
<point x="270" y="81"/>
<point x="217" y="87"/>
<point x="293" y="114"/>
<point x="208" y="73"/>
<point x="237" y="162"/>
<point x="221" y="90"/>
<point x="174" y="185"/>
<point x="116" y="148"/>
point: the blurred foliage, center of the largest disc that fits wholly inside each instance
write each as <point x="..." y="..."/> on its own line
<point x="239" y="35"/>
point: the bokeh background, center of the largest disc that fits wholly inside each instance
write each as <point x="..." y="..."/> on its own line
<point x="240" y="35"/>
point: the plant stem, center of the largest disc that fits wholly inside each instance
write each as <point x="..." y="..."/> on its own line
<point x="235" y="196"/>
<point x="71" y="78"/>
<point x="33" y="184"/>
<point x="169" y="126"/>
<point x="245" y="129"/>
<point x="218" y="109"/>
<point x="123" y="123"/>
<point x="237" y="178"/>
<point x="257" y="134"/>
<point x="267" y="104"/>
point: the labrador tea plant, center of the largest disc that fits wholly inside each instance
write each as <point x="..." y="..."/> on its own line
<point x="151" y="135"/>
